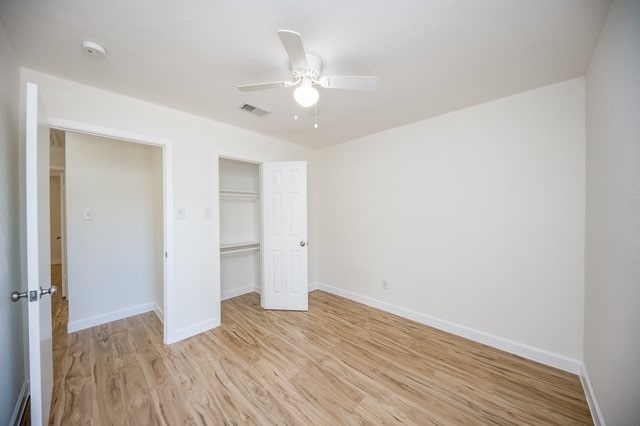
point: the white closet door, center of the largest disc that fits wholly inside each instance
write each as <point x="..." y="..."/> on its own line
<point x="284" y="236"/>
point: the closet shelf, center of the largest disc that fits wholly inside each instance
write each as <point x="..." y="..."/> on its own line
<point x="239" y="247"/>
<point x="242" y="194"/>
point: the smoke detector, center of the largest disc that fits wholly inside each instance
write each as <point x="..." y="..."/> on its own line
<point x="94" y="49"/>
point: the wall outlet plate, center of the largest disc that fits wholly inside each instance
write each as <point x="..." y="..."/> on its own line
<point x="385" y="285"/>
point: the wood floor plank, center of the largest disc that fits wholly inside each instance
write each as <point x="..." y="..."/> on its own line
<point x="339" y="363"/>
<point x="139" y="407"/>
<point x="109" y="381"/>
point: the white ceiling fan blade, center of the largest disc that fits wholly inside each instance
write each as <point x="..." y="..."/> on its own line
<point x="349" y="82"/>
<point x="265" y="86"/>
<point x="292" y="42"/>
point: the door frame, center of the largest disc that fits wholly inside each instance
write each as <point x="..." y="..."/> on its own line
<point x="217" y="155"/>
<point x="167" y="174"/>
<point x="59" y="171"/>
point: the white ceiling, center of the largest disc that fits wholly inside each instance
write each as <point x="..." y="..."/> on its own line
<point x="431" y="56"/>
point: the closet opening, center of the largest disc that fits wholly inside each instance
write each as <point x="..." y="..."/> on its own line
<point x="263" y="231"/>
<point x="240" y="227"/>
<point x="114" y="229"/>
<point x="119" y="226"/>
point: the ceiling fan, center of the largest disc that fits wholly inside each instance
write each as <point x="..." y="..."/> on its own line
<point x="305" y="70"/>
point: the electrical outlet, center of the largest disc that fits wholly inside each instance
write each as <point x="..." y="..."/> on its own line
<point x="385" y="285"/>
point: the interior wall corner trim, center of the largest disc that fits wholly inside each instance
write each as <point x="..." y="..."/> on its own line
<point x="192" y="330"/>
<point x="594" y="407"/>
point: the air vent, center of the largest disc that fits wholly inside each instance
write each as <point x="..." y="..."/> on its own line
<point x="254" y="110"/>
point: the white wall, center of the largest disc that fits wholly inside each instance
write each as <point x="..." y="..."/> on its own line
<point x="475" y="217"/>
<point x="54" y="207"/>
<point x="111" y="262"/>
<point x="12" y="374"/>
<point x="196" y="142"/>
<point x="612" y="269"/>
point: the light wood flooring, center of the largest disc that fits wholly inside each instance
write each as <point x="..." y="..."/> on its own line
<point x="339" y="363"/>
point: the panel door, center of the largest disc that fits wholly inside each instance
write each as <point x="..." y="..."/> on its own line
<point x="284" y="236"/>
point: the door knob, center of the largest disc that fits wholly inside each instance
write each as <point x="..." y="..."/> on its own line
<point x="51" y="290"/>
<point x="16" y="295"/>
<point x="302" y="243"/>
<point x="32" y="295"/>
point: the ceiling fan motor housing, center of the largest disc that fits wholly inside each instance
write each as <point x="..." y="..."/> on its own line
<point x="314" y="67"/>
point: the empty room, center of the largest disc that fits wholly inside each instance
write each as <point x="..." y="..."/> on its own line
<point x="293" y="212"/>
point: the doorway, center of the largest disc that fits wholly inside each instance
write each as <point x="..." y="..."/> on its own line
<point x="262" y="235"/>
<point x="115" y="241"/>
<point x="157" y="185"/>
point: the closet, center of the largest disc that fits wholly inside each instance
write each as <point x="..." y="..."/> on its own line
<point x="240" y="227"/>
<point x="273" y="196"/>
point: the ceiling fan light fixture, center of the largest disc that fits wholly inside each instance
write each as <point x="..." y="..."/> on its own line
<point x="306" y="95"/>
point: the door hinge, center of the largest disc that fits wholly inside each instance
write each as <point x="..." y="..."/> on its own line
<point x="166" y="255"/>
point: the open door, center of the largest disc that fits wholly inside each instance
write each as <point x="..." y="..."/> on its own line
<point x="38" y="258"/>
<point x="284" y="236"/>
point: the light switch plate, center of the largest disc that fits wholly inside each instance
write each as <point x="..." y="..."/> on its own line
<point x="208" y="213"/>
<point x="87" y="214"/>
<point x="182" y="213"/>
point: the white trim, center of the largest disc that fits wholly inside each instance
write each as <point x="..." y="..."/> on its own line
<point x="594" y="407"/>
<point x="313" y="286"/>
<point x="158" y="312"/>
<point x="536" y="354"/>
<point x="56" y="261"/>
<point x="109" y="317"/>
<point x="90" y="129"/>
<point x="167" y="176"/>
<point x="167" y="187"/>
<point x="240" y="157"/>
<point x="21" y="404"/>
<point x="239" y="292"/>
<point x="192" y="330"/>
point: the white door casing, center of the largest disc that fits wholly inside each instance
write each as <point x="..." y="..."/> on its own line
<point x="63" y="232"/>
<point x="38" y="257"/>
<point x="284" y="235"/>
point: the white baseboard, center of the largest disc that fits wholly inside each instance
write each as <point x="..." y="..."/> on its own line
<point x="56" y="261"/>
<point x="21" y="404"/>
<point x="234" y="293"/>
<point x="239" y="292"/>
<point x="192" y="330"/>
<point x="596" y="414"/>
<point x="539" y="355"/>
<point x="159" y="313"/>
<point x="109" y="317"/>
